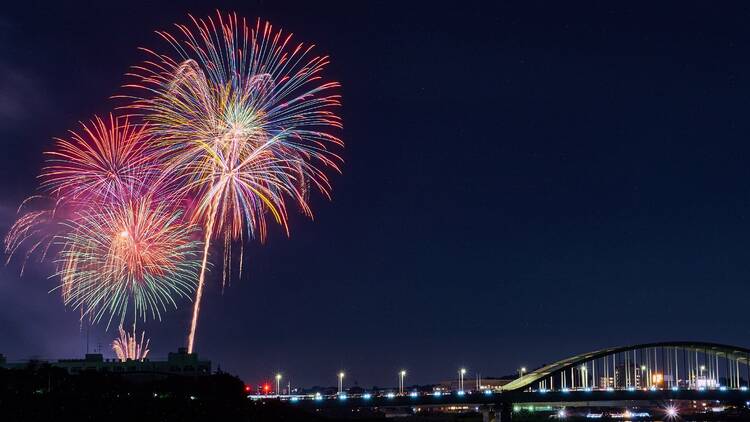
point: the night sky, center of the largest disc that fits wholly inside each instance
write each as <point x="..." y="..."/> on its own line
<point x="523" y="181"/>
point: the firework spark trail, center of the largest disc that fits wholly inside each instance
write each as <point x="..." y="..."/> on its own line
<point x="137" y="254"/>
<point x="244" y="119"/>
<point x="127" y="345"/>
<point x="33" y="229"/>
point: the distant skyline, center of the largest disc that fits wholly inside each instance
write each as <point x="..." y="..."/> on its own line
<point x="522" y="182"/>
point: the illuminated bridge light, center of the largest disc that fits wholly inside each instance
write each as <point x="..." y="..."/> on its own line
<point x="723" y="388"/>
<point x="588" y="390"/>
<point x="367" y="396"/>
<point x="487" y="392"/>
<point x="460" y="392"/>
<point x="653" y="388"/>
<point x="565" y="390"/>
<point x="701" y="388"/>
<point x="413" y="394"/>
<point x="294" y="399"/>
<point x="318" y="397"/>
<point x="610" y="389"/>
<point x="631" y="388"/>
<point x="342" y="396"/>
<point x="743" y="388"/>
<point x="675" y="388"/>
<point x="390" y="395"/>
<point x="437" y="394"/>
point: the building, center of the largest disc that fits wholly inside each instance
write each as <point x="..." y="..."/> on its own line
<point x="180" y="363"/>
<point x="473" y="384"/>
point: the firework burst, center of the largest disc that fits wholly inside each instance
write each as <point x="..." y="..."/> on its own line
<point x="127" y="346"/>
<point x="245" y="120"/>
<point x="108" y="160"/>
<point x="137" y="255"/>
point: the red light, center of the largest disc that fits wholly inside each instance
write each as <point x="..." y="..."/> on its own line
<point x="247" y="388"/>
<point x="266" y="387"/>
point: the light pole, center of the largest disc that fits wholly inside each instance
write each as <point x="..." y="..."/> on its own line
<point x="401" y="376"/>
<point x="643" y="378"/>
<point x="278" y="384"/>
<point x="521" y="371"/>
<point x="461" y="374"/>
<point x="341" y="382"/>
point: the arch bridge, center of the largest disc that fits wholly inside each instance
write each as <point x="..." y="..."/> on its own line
<point x="680" y="365"/>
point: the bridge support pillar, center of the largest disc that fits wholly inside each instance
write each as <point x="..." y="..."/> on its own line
<point x="504" y="412"/>
<point x="486" y="415"/>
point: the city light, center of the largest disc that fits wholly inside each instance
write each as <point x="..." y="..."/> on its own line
<point x="342" y="396"/>
<point x="401" y="376"/>
<point x="414" y="394"/>
<point x="657" y="378"/>
<point x="390" y="395"/>
<point x="487" y="392"/>
<point x="294" y="399"/>
<point x="460" y="392"/>
<point x="341" y="382"/>
<point x="278" y="384"/>
<point x="562" y="414"/>
<point x="367" y="396"/>
<point x="437" y="394"/>
<point x="672" y="412"/>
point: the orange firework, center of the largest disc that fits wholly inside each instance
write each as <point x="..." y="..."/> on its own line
<point x="127" y="346"/>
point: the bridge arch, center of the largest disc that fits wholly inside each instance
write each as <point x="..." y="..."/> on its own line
<point x="677" y="364"/>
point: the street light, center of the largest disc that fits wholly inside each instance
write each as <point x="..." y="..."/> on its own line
<point x="461" y="374"/>
<point x="521" y="371"/>
<point x="278" y="381"/>
<point x="401" y="376"/>
<point x="341" y="382"/>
